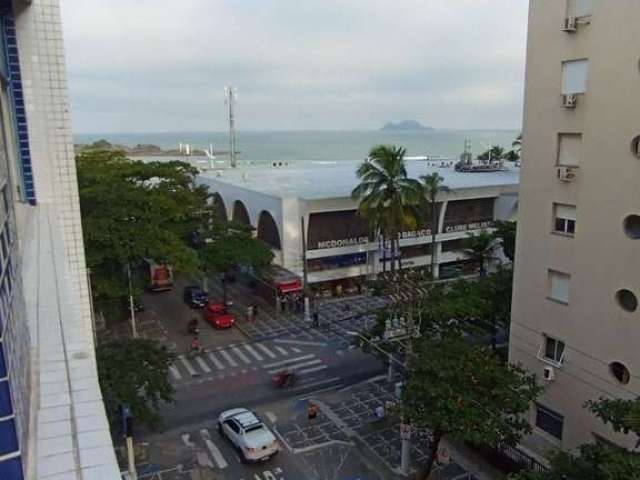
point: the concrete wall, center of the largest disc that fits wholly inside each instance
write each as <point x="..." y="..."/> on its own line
<point x="600" y="258"/>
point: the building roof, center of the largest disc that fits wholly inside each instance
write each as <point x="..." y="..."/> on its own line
<point x="318" y="180"/>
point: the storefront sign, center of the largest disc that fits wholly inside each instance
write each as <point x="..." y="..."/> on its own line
<point x="345" y="242"/>
<point x="468" y="226"/>
<point x="416" y="233"/>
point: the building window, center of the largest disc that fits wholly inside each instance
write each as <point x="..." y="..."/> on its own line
<point x="552" y="350"/>
<point x="627" y="300"/>
<point x="579" y="8"/>
<point x="549" y="421"/>
<point x="574" y="76"/>
<point x="559" y="286"/>
<point x="564" y="219"/>
<point x="632" y="227"/>
<point x="620" y="372"/>
<point x="569" y="149"/>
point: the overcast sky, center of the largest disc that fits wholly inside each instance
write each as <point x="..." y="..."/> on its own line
<point x="161" y="65"/>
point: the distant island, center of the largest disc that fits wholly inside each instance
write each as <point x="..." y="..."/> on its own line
<point x="405" y="125"/>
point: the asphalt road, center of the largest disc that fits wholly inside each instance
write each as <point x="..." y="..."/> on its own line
<point x="236" y="371"/>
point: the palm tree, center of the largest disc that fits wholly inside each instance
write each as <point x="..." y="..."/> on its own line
<point x="432" y="187"/>
<point x="480" y="247"/>
<point x="517" y="144"/>
<point x="387" y="196"/>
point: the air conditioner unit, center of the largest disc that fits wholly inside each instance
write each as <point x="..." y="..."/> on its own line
<point x="549" y="374"/>
<point x="566" y="174"/>
<point x="569" y="101"/>
<point x="570" y="25"/>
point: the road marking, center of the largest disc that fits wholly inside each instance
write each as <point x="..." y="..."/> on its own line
<point x="281" y="350"/>
<point x="186" y="439"/>
<point x="255" y="354"/>
<point x="300" y="342"/>
<point x="203" y="365"/>
<point x="315" y="384"/>
<point x="228" y="358"/>
<point x="188" y="366"/>
<point x="213" y="449"/>
<point x="267" y="351"/>
<point x="242" y="356"/>
<point x="271" y="416"/>
<point x="297" y="350"/>
<point x="215" y="361"/>
<point x="296" y="367"/>
<point x="288" y="360"/>
<point x="174" y="372"/>
<point x="314" y="369"/>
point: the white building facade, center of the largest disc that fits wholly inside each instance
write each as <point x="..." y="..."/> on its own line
<point x="340" y="253"/>
<point x="52" y="418"/>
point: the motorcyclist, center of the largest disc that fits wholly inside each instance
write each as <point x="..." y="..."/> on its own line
<point x="193" y="326"/>
<point x="195" y="344"/>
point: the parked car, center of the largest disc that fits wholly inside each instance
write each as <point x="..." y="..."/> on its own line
<point x="195" y="297"/>
<point x="253" y="440"/>
<point x="217" y="315"/>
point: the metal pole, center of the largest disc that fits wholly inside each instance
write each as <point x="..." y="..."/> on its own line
<point x="305" y="280"/>
<point x="133" y="474"/>
<point x="390" y="369"/>
<point x="405" y="462"/>
<point x="134" y="330"/>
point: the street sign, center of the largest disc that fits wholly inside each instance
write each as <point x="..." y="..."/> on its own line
<point x="405" y="431"/>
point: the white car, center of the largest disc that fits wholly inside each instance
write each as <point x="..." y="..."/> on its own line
<point x="249" y="435"/>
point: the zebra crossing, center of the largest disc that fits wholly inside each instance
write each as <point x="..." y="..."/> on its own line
<point x="242" y="358"/>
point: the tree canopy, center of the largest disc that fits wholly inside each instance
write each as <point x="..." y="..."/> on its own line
<point x="466" y="392"/>
<point x="135" y="373"/>
<point x="131" y="210"/>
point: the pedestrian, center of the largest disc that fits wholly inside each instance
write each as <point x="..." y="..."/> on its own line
<point x="250" y="313"/>
<point x="255" y="311"/>
<point x="316" y="319"/>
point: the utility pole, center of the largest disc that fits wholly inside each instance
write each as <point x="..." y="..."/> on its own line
<point x="230" y="99"/>
<point x="405" y="429"/>
<point x="127" y="424"/>
<point x="132" y="309"/>
<point x="305" y="279"/>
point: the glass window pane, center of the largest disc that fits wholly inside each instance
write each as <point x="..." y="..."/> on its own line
<point x="560" y="225"/>
<point x="549" y="421"/>
<point x="550" y="348"/>
<point x="574" y="76"/>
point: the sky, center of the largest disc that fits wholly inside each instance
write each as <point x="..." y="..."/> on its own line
<point x="160" y="65"/>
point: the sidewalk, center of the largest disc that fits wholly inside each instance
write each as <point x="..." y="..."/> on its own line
<point x="349" y="416"/>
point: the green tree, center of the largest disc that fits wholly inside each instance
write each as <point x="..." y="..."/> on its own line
<point x="505" y="233"/>
<point x="517" y="144"/>
<point x="512" y="156"/>
<point x="226" y="246"/>
<point x="480" y="247"/>
<point x="466" y="393"/>
<point x="136" y="373"/>
<point x="598" y="461"/>
<point x="432" y="187"/>
<point x="494" y="154"/>
<point x="131" y="210"/>
<point x="387" y="197"/>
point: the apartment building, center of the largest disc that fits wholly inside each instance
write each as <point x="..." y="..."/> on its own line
<point x="52" y="418"/>
<point x="575" y="318"/>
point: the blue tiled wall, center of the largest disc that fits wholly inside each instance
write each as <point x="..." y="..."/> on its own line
<point x="11" y="65"/>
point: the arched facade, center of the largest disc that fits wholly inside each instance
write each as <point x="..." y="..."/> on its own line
<point x="268" y="230"/>
<point x="240" y="213"/>
<point x="217" y="202"/>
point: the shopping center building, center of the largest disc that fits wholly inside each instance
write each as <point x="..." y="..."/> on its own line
<point x="278" y="199"/>
<point x="52" y="418"/>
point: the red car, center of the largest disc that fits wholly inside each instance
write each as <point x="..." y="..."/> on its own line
<point x="216" y="314"/>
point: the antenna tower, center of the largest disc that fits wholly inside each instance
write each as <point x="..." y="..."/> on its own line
<point x="230" y="97"/>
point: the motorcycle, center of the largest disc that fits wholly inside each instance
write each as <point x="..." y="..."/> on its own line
<point x="285" y="379"/>
<point x="193" y="328"/>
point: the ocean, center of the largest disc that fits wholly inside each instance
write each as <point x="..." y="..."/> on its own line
<point x="293" y="146"/>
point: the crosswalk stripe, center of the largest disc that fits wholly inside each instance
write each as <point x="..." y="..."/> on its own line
<point x="203" y="365"/>
<point x="188" y="366"/>
<point x="174" y="372"/>
<point x="289" y="360"/>
<point x="239" y="353"/>
<point x="228" y="358"/>
<point x="313" y="369"/>
<point x="218" y="364"/>
<point x="214" y="450"/>
<point x="255" y="354"/>
<point x="266" y="350"/>
<point x="282" y="350"/>
<point x="296" y="349"/>
<point x="296" y="367"/>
